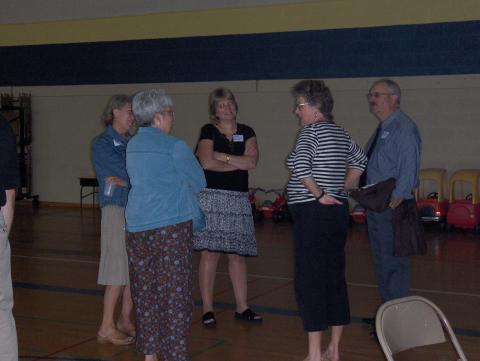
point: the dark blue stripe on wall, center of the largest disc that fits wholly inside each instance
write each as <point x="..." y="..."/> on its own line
<point x="429" y="49"/>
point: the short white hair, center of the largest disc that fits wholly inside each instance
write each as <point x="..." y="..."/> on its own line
<point x="147" y="103"/>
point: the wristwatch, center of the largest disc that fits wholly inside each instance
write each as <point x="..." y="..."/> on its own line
<point x="227" y="157"/>
<point x="320" y="196"/>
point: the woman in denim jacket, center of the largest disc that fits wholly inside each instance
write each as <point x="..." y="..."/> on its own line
<point x="165" y="179"/>
<point x="109" y="151"/>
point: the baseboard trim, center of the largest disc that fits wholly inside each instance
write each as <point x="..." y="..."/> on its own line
<point x="44" y="204"/>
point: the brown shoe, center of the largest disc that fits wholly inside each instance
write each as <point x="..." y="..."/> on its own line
<point x="116" y="338"/>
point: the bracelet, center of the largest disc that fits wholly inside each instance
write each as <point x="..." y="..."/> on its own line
<point x="227" y="157"/>
<point x="320" y="196"/>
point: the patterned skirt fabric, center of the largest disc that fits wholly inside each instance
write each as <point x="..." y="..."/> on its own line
<point x="161" y="278"/>
<point x="229" y="223"/>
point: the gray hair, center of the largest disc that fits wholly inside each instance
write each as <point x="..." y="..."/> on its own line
<point x="117" y="101"/>
<point x="147" y="103"/>
<point x="392" y="86"/>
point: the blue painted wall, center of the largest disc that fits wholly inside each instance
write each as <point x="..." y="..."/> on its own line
<point x="430" y="49"/>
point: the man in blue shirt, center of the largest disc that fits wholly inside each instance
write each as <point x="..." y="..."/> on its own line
<point x="394" y="151"/>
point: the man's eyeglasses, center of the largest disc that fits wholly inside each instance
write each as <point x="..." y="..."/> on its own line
<point x="376" y="95"/>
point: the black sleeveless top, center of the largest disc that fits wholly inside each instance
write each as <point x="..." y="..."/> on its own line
<point x="236" y="180"/>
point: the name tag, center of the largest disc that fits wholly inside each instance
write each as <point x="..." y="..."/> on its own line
<point x="237" y="138"/>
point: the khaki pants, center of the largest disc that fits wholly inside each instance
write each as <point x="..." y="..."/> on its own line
<point x="8" y="332"/>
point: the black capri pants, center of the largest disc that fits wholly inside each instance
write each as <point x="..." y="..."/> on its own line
<point x="320" y="233"/>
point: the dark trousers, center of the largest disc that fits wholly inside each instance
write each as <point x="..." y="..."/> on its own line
<point x="393" y="273"/>
<point x="320" y="288"/>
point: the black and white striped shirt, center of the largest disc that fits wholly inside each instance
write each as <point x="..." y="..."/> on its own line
<point x="323" y="151"/>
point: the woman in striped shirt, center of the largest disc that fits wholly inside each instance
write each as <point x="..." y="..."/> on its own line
<point x="324" y="163"/>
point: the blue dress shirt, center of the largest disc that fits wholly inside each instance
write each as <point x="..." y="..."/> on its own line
<point x="397" y="154"/>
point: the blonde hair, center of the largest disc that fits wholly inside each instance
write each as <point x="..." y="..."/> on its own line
<point x="216" y="96"/>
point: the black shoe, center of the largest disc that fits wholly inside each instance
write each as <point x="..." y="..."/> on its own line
<point x="368" y="321"/>
<point x="248" y="315"/>
<point x="208" y="320"/>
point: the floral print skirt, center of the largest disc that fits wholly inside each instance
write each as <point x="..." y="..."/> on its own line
<point x="229" y="223"/>
<point x="161" y="280"/>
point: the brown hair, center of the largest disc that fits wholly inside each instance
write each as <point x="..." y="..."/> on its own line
<point x="317" y="94"/>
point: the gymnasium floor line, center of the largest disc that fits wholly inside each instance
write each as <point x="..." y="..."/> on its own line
<point x="219" y="305"/>
<point x="51" y="355"/>
<point x="273" y="278"/>
<point x="219" y="343"/>
<point x="58" y="358"/>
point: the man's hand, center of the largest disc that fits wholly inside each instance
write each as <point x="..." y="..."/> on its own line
<point x="395" y="202"/>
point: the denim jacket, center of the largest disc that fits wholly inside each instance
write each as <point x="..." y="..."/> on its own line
<point x="109" y="155"/>
<point x="165" y="179"/>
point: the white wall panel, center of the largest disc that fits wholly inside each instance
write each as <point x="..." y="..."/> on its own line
<point x="66" y="119"/>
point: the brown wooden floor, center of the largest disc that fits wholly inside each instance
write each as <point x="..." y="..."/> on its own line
<point x="58" y="303"/>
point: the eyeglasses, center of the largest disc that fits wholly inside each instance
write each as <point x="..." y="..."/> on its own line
<point x="299" y="105"/>
<point x="376" y="95"/>
<point x="169" y="112"/>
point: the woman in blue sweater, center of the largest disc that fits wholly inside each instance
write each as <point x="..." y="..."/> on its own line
<point x="165" y="178"/>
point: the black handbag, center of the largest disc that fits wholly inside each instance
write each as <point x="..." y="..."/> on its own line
<point x="408" y="230"/>
<point x="375" y="197"/>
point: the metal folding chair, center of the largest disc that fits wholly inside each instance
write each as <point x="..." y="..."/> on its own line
<point x="409" y="322"/>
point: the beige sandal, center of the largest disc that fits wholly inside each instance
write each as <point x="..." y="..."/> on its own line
<point x="130" y="331"/>
<point x="115" y="338"/>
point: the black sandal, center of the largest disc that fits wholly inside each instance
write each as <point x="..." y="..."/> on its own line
<point x="248" y="315"/>
<point x="208" y="320"/>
